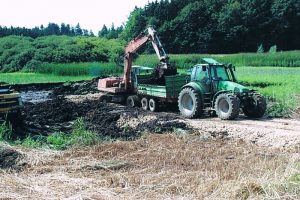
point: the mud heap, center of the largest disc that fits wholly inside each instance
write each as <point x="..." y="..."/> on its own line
<point x="10" y="158"/>
<point x="112" y="120"/>
<point x="77" y="88"/>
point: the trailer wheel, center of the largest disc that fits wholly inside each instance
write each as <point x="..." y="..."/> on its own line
<point x="190" y="103"/>
<point x="132" y="101"/>
<point x="145" y="104"/>
<point x="153" y="105"/>
<point x="257" y="107"/>
<point x="227" y="106"/>
<point x="104" y="99"/>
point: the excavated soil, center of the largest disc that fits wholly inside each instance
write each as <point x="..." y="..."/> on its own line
<point x="60" y="107"/>
<point x="10" y="158"/>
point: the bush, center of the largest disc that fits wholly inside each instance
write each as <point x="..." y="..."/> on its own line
<point x="32" y="66"/>
<point x="20" y="52"/>
<point x="260" y="49"/>
<point x="273" y="49"/>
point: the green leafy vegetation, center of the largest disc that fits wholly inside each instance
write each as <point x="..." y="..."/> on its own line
<point x="222" y="26"/>
<point x="6" y="132"/>
<point x="25" y="54"/>
<point x="79" y="136"/>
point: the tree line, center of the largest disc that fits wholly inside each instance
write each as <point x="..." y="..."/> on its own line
<point x="63" y="29"/>
<point x="220" y="26"/>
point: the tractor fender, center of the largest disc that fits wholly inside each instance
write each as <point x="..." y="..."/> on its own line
<point x="217" y="94"/>
<point x="197" y="88"/>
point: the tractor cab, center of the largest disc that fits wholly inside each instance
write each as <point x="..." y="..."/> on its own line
<point x="212" y="75"/>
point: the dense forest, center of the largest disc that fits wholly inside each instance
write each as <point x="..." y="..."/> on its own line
<point x="190" y="26"/>
<point x="220" y="26"/>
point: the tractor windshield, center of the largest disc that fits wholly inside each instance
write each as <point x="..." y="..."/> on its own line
<point x="219" y="73"/>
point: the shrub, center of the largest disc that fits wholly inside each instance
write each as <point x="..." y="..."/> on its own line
<point x="260" y="49"/>
<point x="273" y="49"/>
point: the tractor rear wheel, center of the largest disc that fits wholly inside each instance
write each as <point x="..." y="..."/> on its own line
<point x="257" y="107"/>
<point x="145" y="104"/>
<point x="227" y="106"/>
<point x="190" y="103"/>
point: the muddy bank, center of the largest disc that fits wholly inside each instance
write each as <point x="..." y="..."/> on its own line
<point x="114" y="120"/>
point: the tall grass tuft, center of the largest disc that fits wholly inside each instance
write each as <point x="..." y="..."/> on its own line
<point x="6" y="132"/>
<point x="79" y="69"/>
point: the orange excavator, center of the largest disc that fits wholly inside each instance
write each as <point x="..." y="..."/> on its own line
<point x="117" y="89"/>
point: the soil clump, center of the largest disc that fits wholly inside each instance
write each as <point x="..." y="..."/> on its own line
<point x="10" y="158"/>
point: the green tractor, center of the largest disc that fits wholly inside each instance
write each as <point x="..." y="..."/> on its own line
<point x="212" y="87"/>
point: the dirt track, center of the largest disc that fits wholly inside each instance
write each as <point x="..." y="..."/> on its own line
<point x="56" y="109"/>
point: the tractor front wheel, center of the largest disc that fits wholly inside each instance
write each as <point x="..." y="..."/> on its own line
<point x="227" y="106"/>
<point x="257" y="106"/>
<point x="190" y="103"/>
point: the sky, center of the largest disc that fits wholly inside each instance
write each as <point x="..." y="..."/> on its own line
<point x="90" y="14"/>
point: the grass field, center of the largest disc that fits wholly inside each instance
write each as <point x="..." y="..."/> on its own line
<point x="25" y="78"/>
<point x="279" y="85"/>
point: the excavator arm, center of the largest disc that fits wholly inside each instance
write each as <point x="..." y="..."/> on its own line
<point x="136" y="44"/>
<point x="120" y="85"/>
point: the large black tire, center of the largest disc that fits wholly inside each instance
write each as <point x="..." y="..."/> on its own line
<point x="133" y="101"/>
<point x="190" y="103"/>
<point x="153" y="105"/>
<point x="257" y="107"/>
<point x="145" y="104"/>
<point x="227" y="106"/>
<point x="104" y="99"/>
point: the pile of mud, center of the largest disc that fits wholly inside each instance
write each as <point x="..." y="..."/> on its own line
<point x="10" y="158"/>
<point x="112" y="120"/>
<point x="77" y="88"/>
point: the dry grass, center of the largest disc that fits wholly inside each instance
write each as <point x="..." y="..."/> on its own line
<point x="165" y="166"/>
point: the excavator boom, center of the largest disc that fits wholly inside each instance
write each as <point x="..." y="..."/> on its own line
<point x="118" y="85"/>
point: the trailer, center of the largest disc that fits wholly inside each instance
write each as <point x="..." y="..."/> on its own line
<point x="151" y="95"/>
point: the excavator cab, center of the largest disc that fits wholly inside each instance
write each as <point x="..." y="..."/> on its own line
<point x="136" y="71"/>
